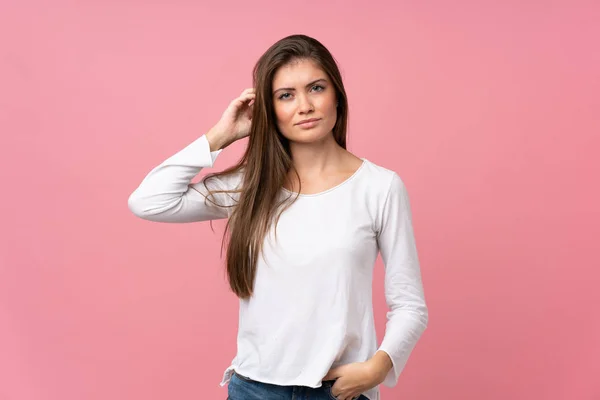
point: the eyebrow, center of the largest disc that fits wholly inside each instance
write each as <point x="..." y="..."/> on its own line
<point x="310" y="84"/>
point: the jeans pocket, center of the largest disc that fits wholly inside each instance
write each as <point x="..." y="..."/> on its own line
<point x="329" y="389"/>
<point x="328" y="385"/>
<point x="239" y="386"/>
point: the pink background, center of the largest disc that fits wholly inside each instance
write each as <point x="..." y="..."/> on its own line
<point x="489" y="111"/>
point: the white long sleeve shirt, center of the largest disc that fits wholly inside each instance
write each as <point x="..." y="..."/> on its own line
<point x="312" y="305"/>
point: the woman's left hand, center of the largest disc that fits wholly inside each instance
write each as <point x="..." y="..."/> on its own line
<point x="354" y="379"/>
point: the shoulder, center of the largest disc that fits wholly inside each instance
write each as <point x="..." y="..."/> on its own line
<point x="383" y="180"/>
<point x="385" y="191"/>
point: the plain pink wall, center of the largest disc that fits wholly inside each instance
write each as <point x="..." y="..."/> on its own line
<point x="488" y="110"/>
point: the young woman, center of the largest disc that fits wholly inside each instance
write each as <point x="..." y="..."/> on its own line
<point x="306" y="220"/>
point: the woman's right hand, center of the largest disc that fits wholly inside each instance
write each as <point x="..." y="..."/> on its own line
<point x="235" y="122"/>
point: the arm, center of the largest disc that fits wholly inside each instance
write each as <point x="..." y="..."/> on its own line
<point x="167" y="195"/>
<point x="408" y="315"/>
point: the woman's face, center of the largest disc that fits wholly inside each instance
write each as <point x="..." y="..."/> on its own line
<point x="302" y="91"/>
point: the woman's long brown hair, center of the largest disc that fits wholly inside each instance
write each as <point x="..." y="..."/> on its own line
<point x="267" y="160"/>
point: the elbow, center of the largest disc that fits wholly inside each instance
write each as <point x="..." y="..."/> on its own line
<point x="422" y="312"/>
<point x="420" y="319"/>
<point x="153" y="207"/>
<point x="414" y="319"/>
<point x="416" y="316"/>
<point x="419" y="322"/>
<point x="137" y="206"/>
<point x="425" y="317"/>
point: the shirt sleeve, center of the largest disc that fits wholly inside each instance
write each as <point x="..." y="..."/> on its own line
<point x="407" y="317"/>
<point x="167" y="195"/>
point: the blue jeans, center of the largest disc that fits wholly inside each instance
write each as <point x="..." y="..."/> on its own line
<point x="242" y="388"/>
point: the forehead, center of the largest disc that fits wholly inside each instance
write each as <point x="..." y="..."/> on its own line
<point x="297" y="73"/>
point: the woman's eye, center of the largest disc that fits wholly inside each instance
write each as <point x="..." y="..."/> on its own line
<point x="286" y="96"/>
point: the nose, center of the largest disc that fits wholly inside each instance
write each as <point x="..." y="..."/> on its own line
<point x="304" y="104"/>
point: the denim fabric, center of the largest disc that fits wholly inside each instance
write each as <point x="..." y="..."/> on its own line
<point x="242" y="388"/>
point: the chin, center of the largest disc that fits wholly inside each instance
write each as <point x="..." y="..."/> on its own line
<point x="306" y="136"/>
<point x="309" y="137"/>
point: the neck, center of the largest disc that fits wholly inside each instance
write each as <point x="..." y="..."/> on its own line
<point x="314" y="159"/>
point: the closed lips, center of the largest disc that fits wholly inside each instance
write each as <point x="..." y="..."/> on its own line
<point x="308" y="120"/>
